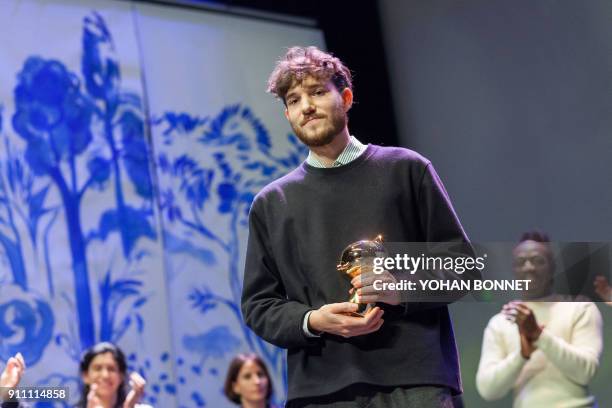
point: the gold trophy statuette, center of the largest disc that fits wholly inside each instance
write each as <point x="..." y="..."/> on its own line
<point x="358" y="258"/>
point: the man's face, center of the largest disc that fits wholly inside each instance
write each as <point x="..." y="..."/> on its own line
<point x="316" y="110"/>
<point x="533" y="261"/>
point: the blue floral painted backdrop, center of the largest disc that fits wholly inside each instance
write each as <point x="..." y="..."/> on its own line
<point x="133" y="139"/>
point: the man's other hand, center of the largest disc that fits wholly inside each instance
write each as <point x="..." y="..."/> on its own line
<point x="334" y="318"/>
<point x="364" y="285"/>
<point x="525" y="319"/>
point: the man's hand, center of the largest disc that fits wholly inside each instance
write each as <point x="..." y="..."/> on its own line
<point x="137" y="386"/>
<point x="603" y="288"/>
<point x="15" y="367"/>
<point x="364" y="285"/>
<point x="527" y="347"/>
<point x="333" y="319"/>
<point x="529" y="330"/>
<point x="524" y="318"/>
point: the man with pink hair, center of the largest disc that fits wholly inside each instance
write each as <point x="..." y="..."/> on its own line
<point x="346" y="191"/>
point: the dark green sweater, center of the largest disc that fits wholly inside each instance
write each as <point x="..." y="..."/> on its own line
<point x="299" y="225"/>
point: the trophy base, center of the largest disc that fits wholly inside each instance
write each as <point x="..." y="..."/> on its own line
<point x="362" y="310"/>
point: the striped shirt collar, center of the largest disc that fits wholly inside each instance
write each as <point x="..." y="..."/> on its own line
<point x="354" y="148"/>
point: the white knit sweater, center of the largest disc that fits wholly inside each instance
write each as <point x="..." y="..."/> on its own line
<point x="558" y="372"/>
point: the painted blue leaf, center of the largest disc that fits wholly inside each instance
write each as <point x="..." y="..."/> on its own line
<point x="181" y="123"/>
<point x="195" y="181"/>
<point x="196" y="192"/>
<point x="12" y="251"/>
<point x="108" y="223"/>
<point x="174" y="213"/>
<point x="14" y="172"/>
<point x="227" y="194"/>
<point x="176" y="245"/>
<point x="247" y="198"/>
<point x="137" y="224"/>
<point x="36" y="209"/>
<point x="139" y="324"/>
<point x="132" y="222"/>
<point x="268" y="170"/>
<point x="120" y="330"/>
<point x="100" y="72"/>
<point x="215" y="132"/>
<point x="99" y="169"/>
<point x="198" y="399"/>
<point x="262" y="135"/>
<point x="112" y="294"/>
<point x="39" y="156"/>
<point x="224" y="165"/>
<point x="216" y="342"/>
<point x="139" y="302"/>
<point x="184" y="165"/>
<point x="163" y="163"/>
<point x="252" y="166"/>
<point x="126" y="287"/>
<point x="135" y="153"/>
<point x="36" y="201"/>
<point x="203" y="299"/>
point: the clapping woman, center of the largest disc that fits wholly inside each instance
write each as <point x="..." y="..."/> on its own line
<point x="106" y="385"/>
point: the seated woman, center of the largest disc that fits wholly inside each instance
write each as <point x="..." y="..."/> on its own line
<point x="248" y="382"/>
<point x="103" y="370"/>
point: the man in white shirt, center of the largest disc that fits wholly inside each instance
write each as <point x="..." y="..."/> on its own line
<point x="545" y="350"/>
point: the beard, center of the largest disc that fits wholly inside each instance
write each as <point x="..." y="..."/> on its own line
<point x="324" y="131"/>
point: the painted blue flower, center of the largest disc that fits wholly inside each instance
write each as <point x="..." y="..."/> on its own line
<point x="51" y="113"/>
<point x="26" y="324"/>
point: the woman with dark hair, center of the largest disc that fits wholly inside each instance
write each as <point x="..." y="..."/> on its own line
<point x="103" y="370"/>
<point x="248" y="382"/>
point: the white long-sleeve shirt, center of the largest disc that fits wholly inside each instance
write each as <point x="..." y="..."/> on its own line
<point x="559" y="370"/>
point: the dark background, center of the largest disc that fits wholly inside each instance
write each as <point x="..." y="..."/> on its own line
<point x="353" y="33"/>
